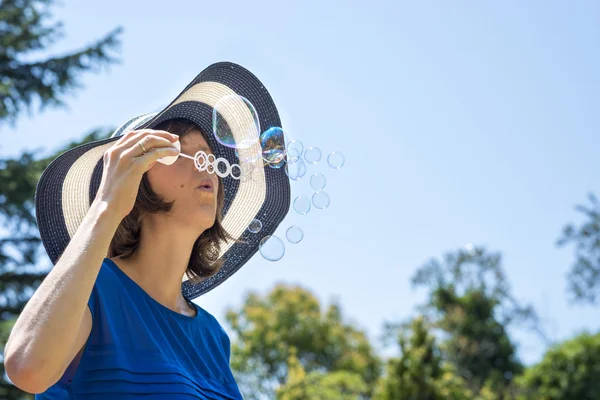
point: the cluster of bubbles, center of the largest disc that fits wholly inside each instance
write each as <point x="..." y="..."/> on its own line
<point x="235" y="113"/>
<point x="298" y="160"/>
<point x="269" y="148"/>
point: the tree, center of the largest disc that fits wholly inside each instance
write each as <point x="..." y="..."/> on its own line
<point x="471" y="305"/>
<point x="569" y="370"/>
<point x="24" y="29"/>
<point x="338" y="385"/>
<point x="420" y="373"/>
<point x="19" y="248"/>
<point x="584" y="277"/>
<point x="289" y="321"/>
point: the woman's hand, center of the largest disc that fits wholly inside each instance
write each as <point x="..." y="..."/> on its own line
<point x="125" y="164"/>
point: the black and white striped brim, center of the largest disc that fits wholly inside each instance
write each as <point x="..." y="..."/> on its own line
<point x="69" y="184"/>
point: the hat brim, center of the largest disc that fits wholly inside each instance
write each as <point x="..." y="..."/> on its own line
<point x="69" y="184"/>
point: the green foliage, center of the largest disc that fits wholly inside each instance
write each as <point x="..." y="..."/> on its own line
<point x="570" y="370"/>
<point x="471" y="305"/>
<point x="584" y="277"/>
<point x="289" y="320"/>
<point x="19" y="247"/>
<point x="25" y="30"/>
<point x="338" y="385"/>
<point x="420" y="372"/>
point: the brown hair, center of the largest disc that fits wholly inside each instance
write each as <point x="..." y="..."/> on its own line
<point x="204" y="260"/>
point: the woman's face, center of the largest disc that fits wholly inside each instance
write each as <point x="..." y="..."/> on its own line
<point x="194" y="193"/>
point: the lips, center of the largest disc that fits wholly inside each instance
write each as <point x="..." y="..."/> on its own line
<point x="206" y="185"/>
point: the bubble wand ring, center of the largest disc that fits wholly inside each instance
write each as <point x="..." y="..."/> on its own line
<point x="209" y="163"/>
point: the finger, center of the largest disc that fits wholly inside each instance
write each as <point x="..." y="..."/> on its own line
<point x="125" y="137"/>
<point x="147" y="132"/>
<point x="149" y="142"/>
<point x="144" y="162"/>
<point x="134" y="136"/>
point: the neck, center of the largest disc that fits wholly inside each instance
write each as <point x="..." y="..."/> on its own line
<point x="161" y="260"/>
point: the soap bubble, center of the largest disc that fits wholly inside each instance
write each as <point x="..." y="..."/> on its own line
<point x="295" y="169"/>
<point x="317" y="181"/>
<point x="320" y="199"/>
<point x="302" y="205"/>
<point x="272" y="142"/>
<point x="246" y="178"/>
<point x="312" y="155"/>
<point x="336" y="160"/>
<point x="246" y="170"/>
<point x="234" y="113"/>
<point x="271" y="248"/>
<point x="294" y="149"/>
<point x="294" y="234"/>
<point x="249" y="154"/>
<point x="255" y="226"/>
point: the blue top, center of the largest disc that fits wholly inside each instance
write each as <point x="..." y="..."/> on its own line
<point x="138" y="347"/>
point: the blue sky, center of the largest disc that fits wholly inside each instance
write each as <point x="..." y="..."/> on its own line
<point x="472" y="123"/>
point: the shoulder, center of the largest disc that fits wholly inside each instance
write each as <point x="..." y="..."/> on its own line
<point x="110" y="277"/>
<point x="213" y="325"/>
<point x="108" y="287"/>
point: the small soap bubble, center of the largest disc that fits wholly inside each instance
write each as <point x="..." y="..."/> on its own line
<point x="255" y="226"/>
<point x="246" y="178"/>
<point x="321" y="200"/>
<point x="470" y="248"/>
<point x="317" y="181"/>
<point x="312" y="155"/>
<point x="336" y="160"/>
<point x="302" y="205"/>
<point x="247" y="169"/>
<point x="295" y="169"/>
<point x="271" y="248"/>
<point x="272" y="142"/>
<point x="294" y="149"/>
<point x="294" y="234"/>
<point x="249" y="154"/>
<point x="234" y="113"/>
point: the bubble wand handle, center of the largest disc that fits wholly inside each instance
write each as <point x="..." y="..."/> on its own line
<point x="186" y="156"/>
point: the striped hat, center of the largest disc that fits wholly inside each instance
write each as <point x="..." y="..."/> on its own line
<point x="69" y="184"/>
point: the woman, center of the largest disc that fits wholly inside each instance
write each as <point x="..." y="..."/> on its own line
<point x="113" y="319"/>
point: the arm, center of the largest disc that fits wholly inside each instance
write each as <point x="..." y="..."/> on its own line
<point x="56" y="322"/>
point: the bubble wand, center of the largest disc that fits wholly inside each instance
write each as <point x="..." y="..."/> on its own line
<point x="207" y="162"/>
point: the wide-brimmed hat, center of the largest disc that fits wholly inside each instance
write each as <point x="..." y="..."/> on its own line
<point x="69" y="184"/>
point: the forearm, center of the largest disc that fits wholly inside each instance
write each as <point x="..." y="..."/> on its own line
<point x="46" y="330"/>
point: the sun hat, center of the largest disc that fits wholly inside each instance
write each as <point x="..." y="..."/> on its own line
<point x="69" y="184"/>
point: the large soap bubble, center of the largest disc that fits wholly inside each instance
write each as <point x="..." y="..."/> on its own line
<point x="235" y="122"/>
<point x="272" y="142"/>
<point x="271" y="248"/>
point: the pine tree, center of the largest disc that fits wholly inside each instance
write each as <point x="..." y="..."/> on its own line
<point x="24" y="30"/>
<point x="24" y="82"/>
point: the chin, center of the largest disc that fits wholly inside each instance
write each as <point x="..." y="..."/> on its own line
<point x="204" y="221"/>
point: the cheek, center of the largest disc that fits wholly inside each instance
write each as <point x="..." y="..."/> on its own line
<point x="166" y="181"/>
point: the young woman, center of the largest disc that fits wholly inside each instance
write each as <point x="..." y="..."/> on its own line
<point x="134" y="240"/>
